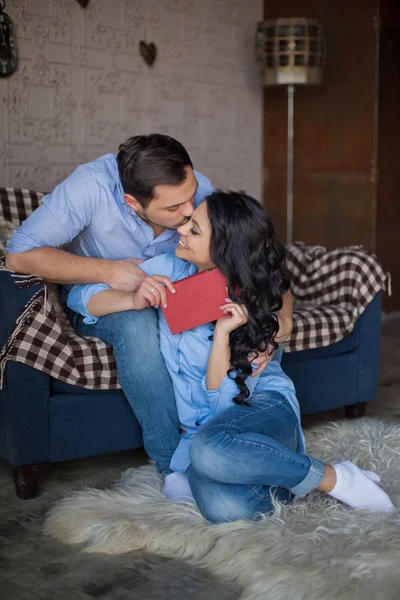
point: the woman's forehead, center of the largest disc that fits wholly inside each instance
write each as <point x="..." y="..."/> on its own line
<point x="200" y="213"/>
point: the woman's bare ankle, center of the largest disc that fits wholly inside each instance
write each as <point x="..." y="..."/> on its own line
<point x="329" y="480"/>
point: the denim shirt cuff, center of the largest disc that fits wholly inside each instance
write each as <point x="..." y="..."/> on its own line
<point x="213" y="395"/>
<point x="79" y="296"/>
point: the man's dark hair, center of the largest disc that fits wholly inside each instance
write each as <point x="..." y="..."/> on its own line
<point x="145" y="161"/>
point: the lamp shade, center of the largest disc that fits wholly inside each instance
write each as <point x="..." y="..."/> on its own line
<point x="290" y="51"/>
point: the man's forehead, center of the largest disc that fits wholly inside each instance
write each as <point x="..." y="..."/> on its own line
<point x="175" y="196"/>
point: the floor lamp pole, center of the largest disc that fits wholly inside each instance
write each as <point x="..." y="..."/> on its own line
<point x="289" y="175"/>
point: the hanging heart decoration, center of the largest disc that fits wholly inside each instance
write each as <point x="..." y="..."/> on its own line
<point x="148" y="51"/>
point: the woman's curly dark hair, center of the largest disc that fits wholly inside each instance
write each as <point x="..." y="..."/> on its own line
<point x="245" y="248"/>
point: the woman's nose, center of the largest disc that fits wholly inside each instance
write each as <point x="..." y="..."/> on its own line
<point x="182" y="229"/>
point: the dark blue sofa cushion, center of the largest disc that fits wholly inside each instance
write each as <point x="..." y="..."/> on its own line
<point x="91" y="424"/>
<point x="347" y="344"/>
<point x="325" y="383"/>
<point x="60" y="387"/>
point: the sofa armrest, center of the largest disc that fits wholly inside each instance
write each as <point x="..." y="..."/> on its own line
<point x="369" y="328"/>
<point x="12" y="303"/>
<point x="24" y="401"/>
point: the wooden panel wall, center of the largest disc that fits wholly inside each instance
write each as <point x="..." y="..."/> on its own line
<point x="346" y="133"/>
<point x="333" y="130"/>
<point x="388" y="201"/>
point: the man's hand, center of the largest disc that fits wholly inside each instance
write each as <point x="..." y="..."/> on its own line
<point x="262" y="360"/>
<point x="125" y="275"/>
<point x="285" y="328"/>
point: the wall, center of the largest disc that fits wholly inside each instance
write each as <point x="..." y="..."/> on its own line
<point x="346" y="134"/>
<point x="388" y="189"/>
<point x="334" y="129"/>
<point x="81" y="87"/>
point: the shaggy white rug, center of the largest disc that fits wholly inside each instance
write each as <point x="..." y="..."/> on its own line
<point x="312" y="549"/>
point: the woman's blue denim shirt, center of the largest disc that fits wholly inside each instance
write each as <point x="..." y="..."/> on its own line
<point x="186" y="356"/>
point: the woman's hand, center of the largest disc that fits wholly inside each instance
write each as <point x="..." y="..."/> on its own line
<point x="236" y="315"/>
<point x="152" y="292"/>
<point x="220" y="355"/>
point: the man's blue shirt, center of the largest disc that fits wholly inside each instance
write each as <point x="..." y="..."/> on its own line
<point x="87" y="211"/>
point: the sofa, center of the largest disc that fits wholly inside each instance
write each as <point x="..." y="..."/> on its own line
<point x="44" y="419"/>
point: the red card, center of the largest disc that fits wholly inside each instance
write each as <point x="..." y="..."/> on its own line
<point x="197" y="300"/>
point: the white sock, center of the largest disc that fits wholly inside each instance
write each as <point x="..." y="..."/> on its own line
<point x="359" y="488"/>
<point x="177" y="488"/>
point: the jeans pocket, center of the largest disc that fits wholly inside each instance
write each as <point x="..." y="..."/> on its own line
<point x="260" y="492"/>
<point x="264" y="493"/>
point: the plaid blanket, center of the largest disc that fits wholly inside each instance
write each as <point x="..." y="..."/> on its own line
<point x="39" y="341"/>
<point x="331" y="289"/>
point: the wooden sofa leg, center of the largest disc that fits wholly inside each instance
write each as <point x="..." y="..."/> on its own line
<point x="354" y="411"/>
<point x="26" y="481"/>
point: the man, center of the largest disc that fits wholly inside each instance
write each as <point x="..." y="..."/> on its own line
<point x="113" y="213"/>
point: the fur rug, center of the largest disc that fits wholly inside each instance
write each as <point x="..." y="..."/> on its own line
<point x="312" y="549"/>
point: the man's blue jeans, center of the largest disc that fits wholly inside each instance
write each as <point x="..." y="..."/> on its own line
<point x="144" y="378"/>
<point x="238" y="456"/>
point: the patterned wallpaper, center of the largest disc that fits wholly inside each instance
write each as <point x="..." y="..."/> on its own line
<point x="82" y="87"/>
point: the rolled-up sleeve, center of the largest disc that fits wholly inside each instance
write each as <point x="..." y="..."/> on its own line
<point x="65" y="212"/>
<point x="221" y="398"/>
<point x="79" y="296"/>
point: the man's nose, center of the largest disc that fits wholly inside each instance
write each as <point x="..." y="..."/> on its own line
<point x="188" y="209"/>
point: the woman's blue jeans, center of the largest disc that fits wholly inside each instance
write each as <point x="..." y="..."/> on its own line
<point x="145" y="381"/>
<point x="244" y="454"/>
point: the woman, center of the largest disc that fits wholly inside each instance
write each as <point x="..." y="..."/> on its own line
<point x="241" y="435"/>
